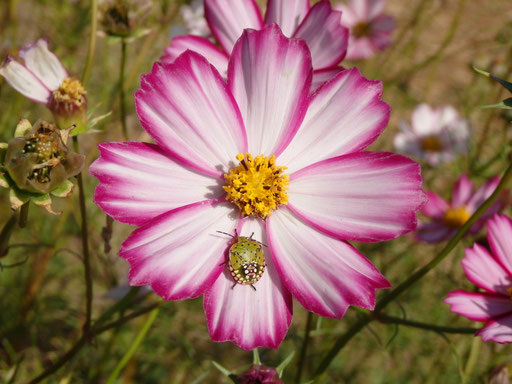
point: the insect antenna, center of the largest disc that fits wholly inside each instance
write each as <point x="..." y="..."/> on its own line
<point x="229" y="234"/>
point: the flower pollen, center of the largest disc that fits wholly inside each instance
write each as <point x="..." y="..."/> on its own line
<point x="362" y="29"/>
<point x="70" y="94"/>
<point x="257" y="186"/>
<point x="431" y="144"/>
<point x="456" y="217"/>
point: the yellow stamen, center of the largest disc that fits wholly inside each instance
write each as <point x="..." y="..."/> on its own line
<point x="257" y="186"/>
<point x="456" y="217"/>
<point x="71" y="91"/>
<point x="431" y="144"/>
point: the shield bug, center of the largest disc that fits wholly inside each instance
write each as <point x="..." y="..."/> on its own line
<point x="245" y="260"/>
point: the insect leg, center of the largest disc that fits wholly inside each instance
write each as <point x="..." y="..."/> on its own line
<point x="233" y="286"/>
<point x="253" y="287"/>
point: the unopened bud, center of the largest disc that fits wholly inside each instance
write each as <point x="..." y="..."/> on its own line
<point x="260" y="374"/>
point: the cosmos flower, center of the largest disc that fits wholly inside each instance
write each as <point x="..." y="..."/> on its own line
<point x="447" y="218"/>
<point x="435" y="135"/>
<point x="193" y="16"/>
<point x="491" y="272"/>
<point x="42" y="78"/>
<point x="370" y="30"/>
<point x="259" y="155"/>
<point x="319" y="26"/>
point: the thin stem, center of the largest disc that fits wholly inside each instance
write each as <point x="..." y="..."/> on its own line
<point x="122" y="89"/>
<point x="136" y="343"/>
<point x="119" y="306"/>
<point x="6" y="233"/>
<point x="303" y="351"/>
<point x="85" y="248"/>
<point x="473" y="357"/>
<point x="438" y="53"/>
<point x="24" y="215"/>
<point x="381" y="304"/>
<point x="256" y="357"/>
<point x="383" y="318"/>
<point x="92" y="43"/>
<point x="83" y="341"/>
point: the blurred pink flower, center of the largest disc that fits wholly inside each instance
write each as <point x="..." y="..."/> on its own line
<point x="435" y="135"/>
<point x="447" y="218"/>
<point x="193" y="16"/>
<point x="370" y="30"/>
<point x="43" y="79"/>
<point x="491" y="272"/>
<point x="319" y="26"/>
<point x="335" y="191"/>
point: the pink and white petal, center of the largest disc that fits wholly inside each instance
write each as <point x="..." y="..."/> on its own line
<point x="348" y="17"/>
<point x="322" y="76"/>
<point x="228" y="19"/>
<point x="482" y="194"/>
<point x="24" y="81"/>
<point x="360" y="48"/>
<point x="270" y="78"/>
<point x="139" y="181"/>
<point x="436" y="206"/>
<point x="187" y="108"/>
<point x="499" y="234"/>
<point x="485" y="271"/>
<point x="425" y="120"/>
<point x="375" y="8"/>
<point x="288" y="14"/>
<point x="434" y="232"/>
<point x="244" y="316"/>
<point x="179" y="252"/>
<point x="361" y="8"/>
<point x="324" y="274"/>
<point x="327" y="39"/>
<point x="201" y="45"/>
<point x="407" y="142"/>
<point x="345" y="115"/>
<point x="497" y="330"/>
<point x="478" y="306"/>
<point x="44" y="64"/>
<point x="363" y="196"/>
<point x="462" y="191"/>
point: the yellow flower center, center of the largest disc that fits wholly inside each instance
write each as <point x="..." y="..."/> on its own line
<point x="456" y="217"/>
<point x="362" y="29"/>
<point x="71" y="91"/>
<point x="257" y="186"/>
<point x="431" y="144"/>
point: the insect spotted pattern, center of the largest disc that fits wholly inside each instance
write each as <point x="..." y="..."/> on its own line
<point x="245" y="260"/>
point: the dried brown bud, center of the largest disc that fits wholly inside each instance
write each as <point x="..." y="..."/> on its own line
<point x="123" y="17"/>
<point x="40" y="161"/>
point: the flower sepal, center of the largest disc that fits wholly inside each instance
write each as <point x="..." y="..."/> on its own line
<point x="505" y="104"/>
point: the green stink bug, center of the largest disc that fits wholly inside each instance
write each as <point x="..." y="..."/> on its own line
<point x="245" y="260"/>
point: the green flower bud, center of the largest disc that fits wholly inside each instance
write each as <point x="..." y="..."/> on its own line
<point x="40" y="161"/>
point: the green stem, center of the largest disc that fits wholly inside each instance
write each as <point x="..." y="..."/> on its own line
<point x="6" y="233"/>
<point x="256" y="357"/>
<point x="92" y="43"/>
<point x="122" y="89"/>
<point x="388" y="298"/>
<point x="417" y="324"/>
<point x="23" y="215"/>
<point x="303" y="351"/>
<point x="136" y="343"/>
<point x="95" y="331"/>
<point x="472" y="359"/>
<point x="85" y="248"/>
